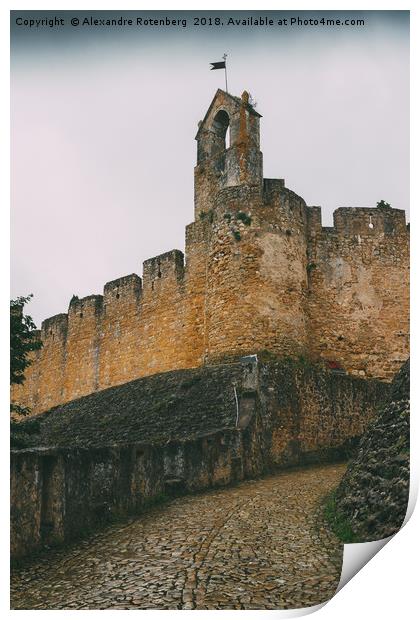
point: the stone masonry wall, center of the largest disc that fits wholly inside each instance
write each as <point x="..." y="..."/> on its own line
<point x="260" y="273"/>
<point x="245" y="287"/>
<point x="58" y="494"/>
<point x="374" y="492"/>
<point x="139" y="327"/>
<point x="358" y="292"/>
<point x="113" y="452"/>
<point x="311" y="414"/>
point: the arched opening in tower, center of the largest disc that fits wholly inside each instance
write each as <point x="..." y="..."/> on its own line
<point x="220" y="128"/>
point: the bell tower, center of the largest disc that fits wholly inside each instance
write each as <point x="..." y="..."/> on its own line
<point x="228" y="149"/>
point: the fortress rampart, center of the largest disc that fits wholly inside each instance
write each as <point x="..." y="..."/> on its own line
<point x="260" y="273"/>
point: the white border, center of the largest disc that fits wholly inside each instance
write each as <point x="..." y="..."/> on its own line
<point x="387" y="585"/>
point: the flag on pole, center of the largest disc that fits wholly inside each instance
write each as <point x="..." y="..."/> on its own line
<point x="218" y="65"/>
<point x="221" y="65"/>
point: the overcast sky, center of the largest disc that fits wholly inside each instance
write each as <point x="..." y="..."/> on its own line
<point x="104" y="119"/>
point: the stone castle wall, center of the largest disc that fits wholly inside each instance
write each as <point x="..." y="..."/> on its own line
<point x="358" y="290"/>
<point x="112" y="453"/>
<point x="260" y="273"/>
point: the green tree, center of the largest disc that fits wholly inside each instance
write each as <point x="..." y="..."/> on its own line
<point x="23" y="341"/>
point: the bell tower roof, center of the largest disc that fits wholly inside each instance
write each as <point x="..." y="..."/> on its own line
<point x="229" y="103"/>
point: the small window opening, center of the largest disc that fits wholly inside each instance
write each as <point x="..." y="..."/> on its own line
<point x="220" y="128"/>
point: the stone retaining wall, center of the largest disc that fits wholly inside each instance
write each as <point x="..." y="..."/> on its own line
<point x="76" y="477"/>
<point x="58" y="494"/>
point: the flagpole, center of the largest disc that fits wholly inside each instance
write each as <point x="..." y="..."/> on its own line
<point x="224" y="57"/>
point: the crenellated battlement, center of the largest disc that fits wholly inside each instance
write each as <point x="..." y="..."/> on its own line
<point x="260" y="273"/>
<point x="121" y="291"/>
<point x="360" y="222"/>
<point x="128" y="283"/>
<point x="166" y="268"/>
<point x="367" y="221"/>
<point x="85" y="307"/>
<point x="55" y="326"/>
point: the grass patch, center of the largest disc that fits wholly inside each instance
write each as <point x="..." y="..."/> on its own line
<point x="337" y="521"/>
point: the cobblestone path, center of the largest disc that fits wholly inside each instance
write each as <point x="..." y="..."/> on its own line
<point x="260" y="545"/>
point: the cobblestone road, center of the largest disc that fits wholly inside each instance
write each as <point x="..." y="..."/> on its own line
<point x="260" y="545"/>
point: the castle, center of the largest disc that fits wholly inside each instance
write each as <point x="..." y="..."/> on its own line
<point x="260" y="273"/>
